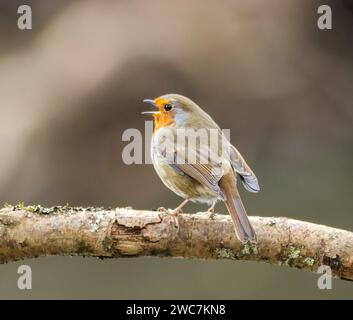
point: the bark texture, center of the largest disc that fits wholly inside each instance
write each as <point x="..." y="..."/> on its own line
<point x="29" y="232"/>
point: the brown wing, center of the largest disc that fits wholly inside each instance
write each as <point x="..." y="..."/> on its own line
<point x="190" y="160"/>
<point x="246" y="175"/>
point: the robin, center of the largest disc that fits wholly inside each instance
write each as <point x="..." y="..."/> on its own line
<point x="195" y="179"/>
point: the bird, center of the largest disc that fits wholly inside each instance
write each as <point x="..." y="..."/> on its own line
<point x="196" y="170"/>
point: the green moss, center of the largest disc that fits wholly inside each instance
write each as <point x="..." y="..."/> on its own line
<point x="19" y="206"/>
<point x="309" y="261"/>
<point x="55" y="209"/>
<point x="249" y="248"/>
<point x="40" y="210"/>
<point x="246" y="249"/>
<point x="224" y="253"/>
<point x="254" y="248"/>
<point x="294" y="256"/>
<point x="293" y="253"/>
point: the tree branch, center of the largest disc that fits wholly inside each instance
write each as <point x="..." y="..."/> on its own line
<point x="29" y="232"/>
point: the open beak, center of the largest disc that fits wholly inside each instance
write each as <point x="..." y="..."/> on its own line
<point x="151" y="102"/>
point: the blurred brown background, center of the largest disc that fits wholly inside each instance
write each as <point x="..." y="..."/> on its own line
<point x="73" y="84"/>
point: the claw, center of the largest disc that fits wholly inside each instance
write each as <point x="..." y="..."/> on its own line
<point x="210" y="212"/>
<point x="174" y="214"/>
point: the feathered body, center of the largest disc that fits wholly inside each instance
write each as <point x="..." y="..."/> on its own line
<point x="200" y="181"/>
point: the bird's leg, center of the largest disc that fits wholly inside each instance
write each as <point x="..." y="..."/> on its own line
<point x="177" y="210"/>
<point x="174" y="213"/>
<point x="210" y="211"/>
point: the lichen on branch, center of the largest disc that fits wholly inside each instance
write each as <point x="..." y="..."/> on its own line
<point x="33" y="231"/>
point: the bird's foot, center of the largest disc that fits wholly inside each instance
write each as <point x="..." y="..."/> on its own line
<point x="175" y="215"/>
<point x="211" y="214"/>
<point x="172" y="213"/>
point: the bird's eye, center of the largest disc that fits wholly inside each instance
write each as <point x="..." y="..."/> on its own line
<point x="168" y="107"/>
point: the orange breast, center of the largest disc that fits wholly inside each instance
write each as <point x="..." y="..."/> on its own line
<point x="163" y="119"/>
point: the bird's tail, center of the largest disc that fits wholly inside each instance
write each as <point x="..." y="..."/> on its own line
<point x="243" y="228"/>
